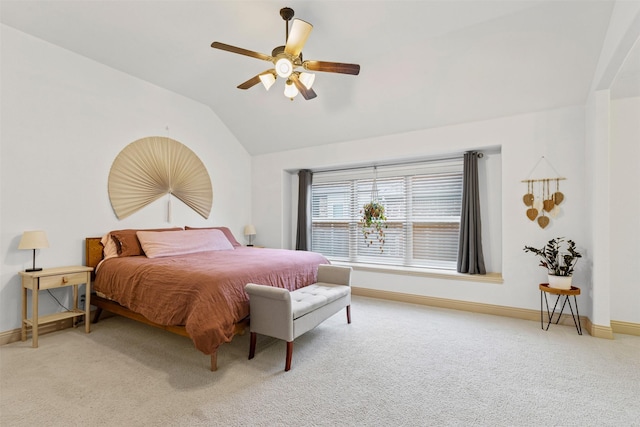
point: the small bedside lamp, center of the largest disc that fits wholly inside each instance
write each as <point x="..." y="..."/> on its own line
<point x="33" y="240"/>
<point x="250" y="232"/>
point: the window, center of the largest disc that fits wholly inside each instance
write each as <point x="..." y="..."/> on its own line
<point x="422" y="204"/>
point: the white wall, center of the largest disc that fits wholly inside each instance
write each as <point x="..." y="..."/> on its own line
<point x="625" y="209"/>
<point x="557" y="135"/>
<point x="64" y="120"/>
<point x="604" y="159"/>
<point x="598" y="206"/>
<point x="592" y="146"/>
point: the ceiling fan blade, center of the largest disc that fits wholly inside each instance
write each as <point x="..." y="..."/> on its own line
<point x="256" y="79"/>
<point x="306" y="93"/>
<point x="298" y="36"/>
<point x="241" y="51"/>
<point x="250" y="83"/>
<point x="332" y="67"/>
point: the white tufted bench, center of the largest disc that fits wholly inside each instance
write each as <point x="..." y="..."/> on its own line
<point x="285" y="315"/>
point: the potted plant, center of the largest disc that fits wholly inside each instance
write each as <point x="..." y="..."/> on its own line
<point x="559" y="265"/>
<point x="373" y="223"/>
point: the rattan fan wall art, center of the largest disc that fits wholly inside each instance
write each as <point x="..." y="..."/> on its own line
<point x="152" y="167"/>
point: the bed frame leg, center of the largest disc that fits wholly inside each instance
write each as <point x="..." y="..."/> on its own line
<point x="214" y="361"/>
<point x="96" y="315"/>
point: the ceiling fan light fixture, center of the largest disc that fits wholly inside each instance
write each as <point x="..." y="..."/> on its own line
<point x="267" y="79"/>
<point x="307" y="79"/>
<point x="290" y="90"/>
<point x="286" y="59"/>
<point x="284" y="67"/>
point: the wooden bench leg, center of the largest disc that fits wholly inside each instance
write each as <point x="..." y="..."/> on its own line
<point x="287" y="366"/>
<point x="252" y="345"/>
<point x="349" y="314"/>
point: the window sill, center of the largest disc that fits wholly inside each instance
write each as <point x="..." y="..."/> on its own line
<point x="425" y="272"/>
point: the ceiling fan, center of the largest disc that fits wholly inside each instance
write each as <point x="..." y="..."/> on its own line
<point x="287" y="58"/>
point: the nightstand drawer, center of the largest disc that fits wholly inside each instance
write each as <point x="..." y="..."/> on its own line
<point x="60" y="280"/>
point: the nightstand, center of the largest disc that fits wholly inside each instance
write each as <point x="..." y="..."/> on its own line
<point x="51" y="278"/>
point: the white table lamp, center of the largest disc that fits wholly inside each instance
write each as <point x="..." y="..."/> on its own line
<point x="250" y="232"/>
<point x="33" y="240"/>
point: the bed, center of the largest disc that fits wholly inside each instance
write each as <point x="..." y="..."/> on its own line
<point x="189" y="281"/>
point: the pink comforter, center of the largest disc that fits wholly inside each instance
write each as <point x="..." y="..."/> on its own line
<point x="203" y="291"/>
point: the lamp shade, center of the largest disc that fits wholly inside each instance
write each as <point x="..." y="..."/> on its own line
<point x="33" y="240"/>
<point x="267" y="80"/>
<point x="290" y="90"/>
<point x="249" y="230"/>
<point x="284" y="67"/>
<point x="307" y="79"/>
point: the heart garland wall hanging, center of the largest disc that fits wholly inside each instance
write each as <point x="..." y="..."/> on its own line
<point x="539" y="199"/>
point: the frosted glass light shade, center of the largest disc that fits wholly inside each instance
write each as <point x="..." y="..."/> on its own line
<point x="307" y="79"/>
<point x="33" y="240"/>
<point x="290" y="90"/>
<point x="284" y="68"/>
<point x="267" y="80"/>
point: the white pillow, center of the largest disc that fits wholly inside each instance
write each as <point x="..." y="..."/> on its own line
<point x="156" y="244"/>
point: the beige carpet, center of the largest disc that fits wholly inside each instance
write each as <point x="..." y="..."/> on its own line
<point x="396" y="364"/>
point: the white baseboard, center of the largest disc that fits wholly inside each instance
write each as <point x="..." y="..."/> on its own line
<point x="599" y="331"/>
<point x="16" y="334"/>
<point x="625" y="328"/>
<point x="499" y="310"/>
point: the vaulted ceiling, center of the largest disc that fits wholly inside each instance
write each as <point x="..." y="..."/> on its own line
<point x="423" y="63"/>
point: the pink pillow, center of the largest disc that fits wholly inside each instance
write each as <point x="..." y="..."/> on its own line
<point x="109" y="248"/>
<point x="225" y="230"/>
<point x="158" y="244"/>
<point x="127" y="242"/>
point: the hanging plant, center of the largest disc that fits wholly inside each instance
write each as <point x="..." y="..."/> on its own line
<point x="373" y="223"/>
<point x="373" y="219"/>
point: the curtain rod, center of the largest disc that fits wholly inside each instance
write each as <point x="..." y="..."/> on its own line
<point x="458" y="156"/>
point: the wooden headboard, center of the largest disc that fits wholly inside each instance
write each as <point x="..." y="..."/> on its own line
<point x="93" y="252"/>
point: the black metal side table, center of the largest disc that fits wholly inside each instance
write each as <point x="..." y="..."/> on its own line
<point x="546" y="289"/>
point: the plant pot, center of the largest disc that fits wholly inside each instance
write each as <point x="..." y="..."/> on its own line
<point x="559" y="282"/>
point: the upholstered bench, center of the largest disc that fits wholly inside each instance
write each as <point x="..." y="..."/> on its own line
<point x="285" y="315"/>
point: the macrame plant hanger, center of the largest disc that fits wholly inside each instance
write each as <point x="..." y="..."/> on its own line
<point x="373" y="219"/>
<point x="374" y="186"/>
<point x="539" y="199"/>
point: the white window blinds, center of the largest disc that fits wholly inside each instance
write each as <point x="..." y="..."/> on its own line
<point x="422" y="204"/>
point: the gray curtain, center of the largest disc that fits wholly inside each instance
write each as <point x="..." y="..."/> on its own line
<point x="470" y="257"/>
<point x="303" y="234"/>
